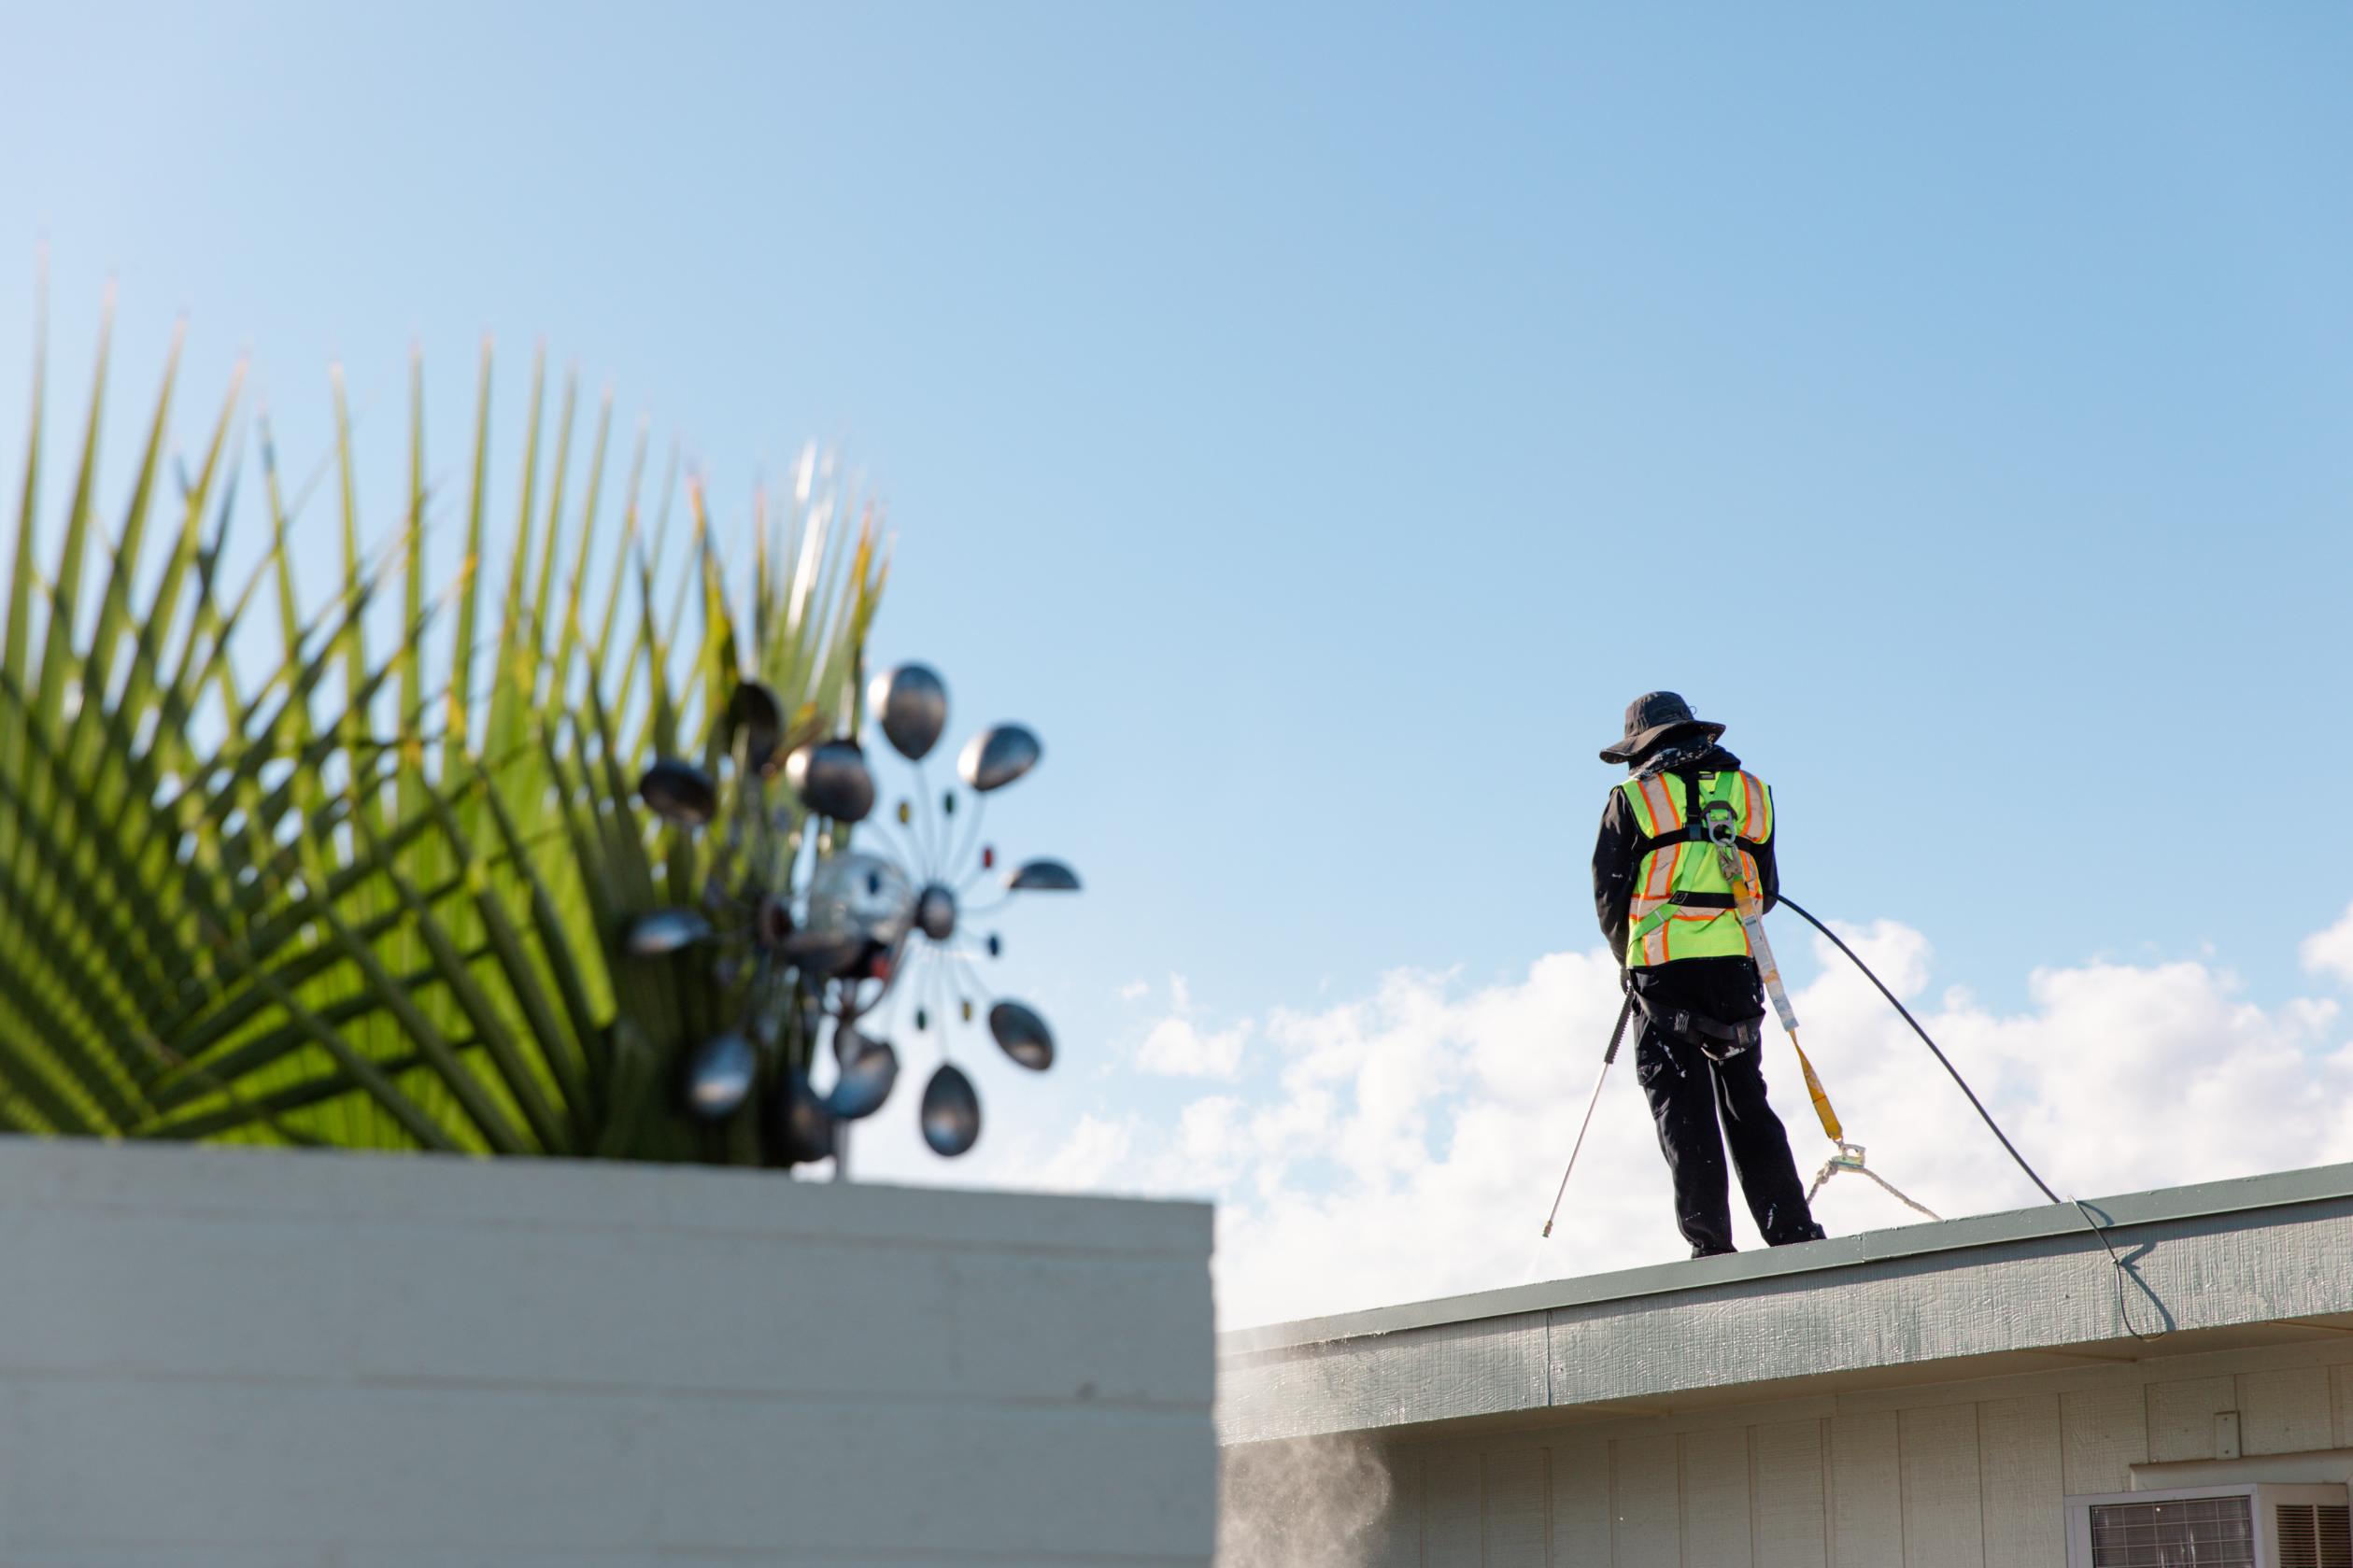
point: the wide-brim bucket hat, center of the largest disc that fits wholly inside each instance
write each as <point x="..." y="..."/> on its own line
<point x="1655" y="716"/>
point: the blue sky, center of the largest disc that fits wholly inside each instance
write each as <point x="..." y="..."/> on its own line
<point x="1319" y="425"/>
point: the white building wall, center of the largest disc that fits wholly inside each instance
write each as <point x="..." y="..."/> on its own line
<point x="1965" y="1475"/>
<point x="229" y="1359"/>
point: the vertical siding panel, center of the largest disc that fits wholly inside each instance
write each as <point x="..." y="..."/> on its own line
<point x="1866" y="1491"/>
<point x="1943" y="1498"/>
<point x="1645" y="1504"/>
<point x="2181" y="1417"/>
<point x="2285" y="1412"/>
<point x="1715" y="1468"/>
<point x="1789" y="1495"/>
<point x="1400" y="1539"/>
<point x="2104" y="1432"/>
<point x="1580" y="1503"/>
<point x="2019" y="1448"/>
<point x="1517" y="1489"/>
<point x="2341" y="1394"/>
<point x="1449" y="1538"/>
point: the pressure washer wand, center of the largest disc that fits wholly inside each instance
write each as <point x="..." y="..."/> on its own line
<point x="1606" y="1058"/>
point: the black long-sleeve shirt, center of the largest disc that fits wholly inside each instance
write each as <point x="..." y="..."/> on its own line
<point x="1727" y="989"/>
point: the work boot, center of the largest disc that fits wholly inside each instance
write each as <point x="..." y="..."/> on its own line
<point x="1707" y="1251"/>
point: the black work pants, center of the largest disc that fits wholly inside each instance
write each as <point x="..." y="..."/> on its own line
<point x="1688" y="1092"/>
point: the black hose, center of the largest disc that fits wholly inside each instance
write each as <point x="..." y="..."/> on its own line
<point x="1795" y="908"/>
<point x="2098" y="1230"/>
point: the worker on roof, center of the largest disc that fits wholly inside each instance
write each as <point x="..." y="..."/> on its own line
<point x="1659" y="889"/>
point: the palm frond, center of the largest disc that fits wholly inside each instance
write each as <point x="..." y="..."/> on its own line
<point x="287" y="880"/>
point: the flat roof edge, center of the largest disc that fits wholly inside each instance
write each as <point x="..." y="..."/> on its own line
<point x="2241" y="1194"/>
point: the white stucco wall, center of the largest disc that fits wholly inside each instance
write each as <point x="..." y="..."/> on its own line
<point x="229" y="1359"/>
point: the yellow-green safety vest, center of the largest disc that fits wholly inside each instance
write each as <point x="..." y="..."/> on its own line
<point x="1681" y="906"/>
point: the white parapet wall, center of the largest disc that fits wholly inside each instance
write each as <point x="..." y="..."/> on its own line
<point x="216" y="1358"/>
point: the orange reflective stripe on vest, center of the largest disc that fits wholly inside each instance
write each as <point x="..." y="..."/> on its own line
<point x="1655" y="805"/>
<point x="1756" y="809"/>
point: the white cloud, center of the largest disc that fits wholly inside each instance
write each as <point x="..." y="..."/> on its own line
<point x="1404" y="1144"/>
<point x="2330" y="951"/>
<point x="1134" y="991"/>
<point x="1177" y="1049"/>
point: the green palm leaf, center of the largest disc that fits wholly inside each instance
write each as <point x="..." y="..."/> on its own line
<point x="267" y="882"/>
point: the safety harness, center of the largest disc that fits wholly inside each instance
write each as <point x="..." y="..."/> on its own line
<point x="1683" y="903"/>
<point x="1715" y="822"/>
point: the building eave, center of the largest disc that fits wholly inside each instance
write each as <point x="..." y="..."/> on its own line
<point x="1917" y="1302"/>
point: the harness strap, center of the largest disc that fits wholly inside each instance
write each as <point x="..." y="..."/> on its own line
<point x="1679" y="899"/>
<point x="1693" y="833"/>
<point x="1720" y="1041"/>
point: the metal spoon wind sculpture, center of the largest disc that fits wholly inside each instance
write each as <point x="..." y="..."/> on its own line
<point x="802" y="937"/>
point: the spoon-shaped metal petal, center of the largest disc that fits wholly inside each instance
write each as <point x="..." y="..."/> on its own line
<point x="755" y="716"/>
<point x="659" y="931"/>
<point x="866" y="1082"/>
<point x="832" y="780"/>
<point x="678" y="792"/>
<point x="1043" y="876"/>
<point x="912" y="703"/>
<point x="1023" y="1035"/>
<point x="804" y="1128"/>
<point x="720" y="1075"/>
<point x="996" y="757"/>
<point x="951" y="1111"/>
